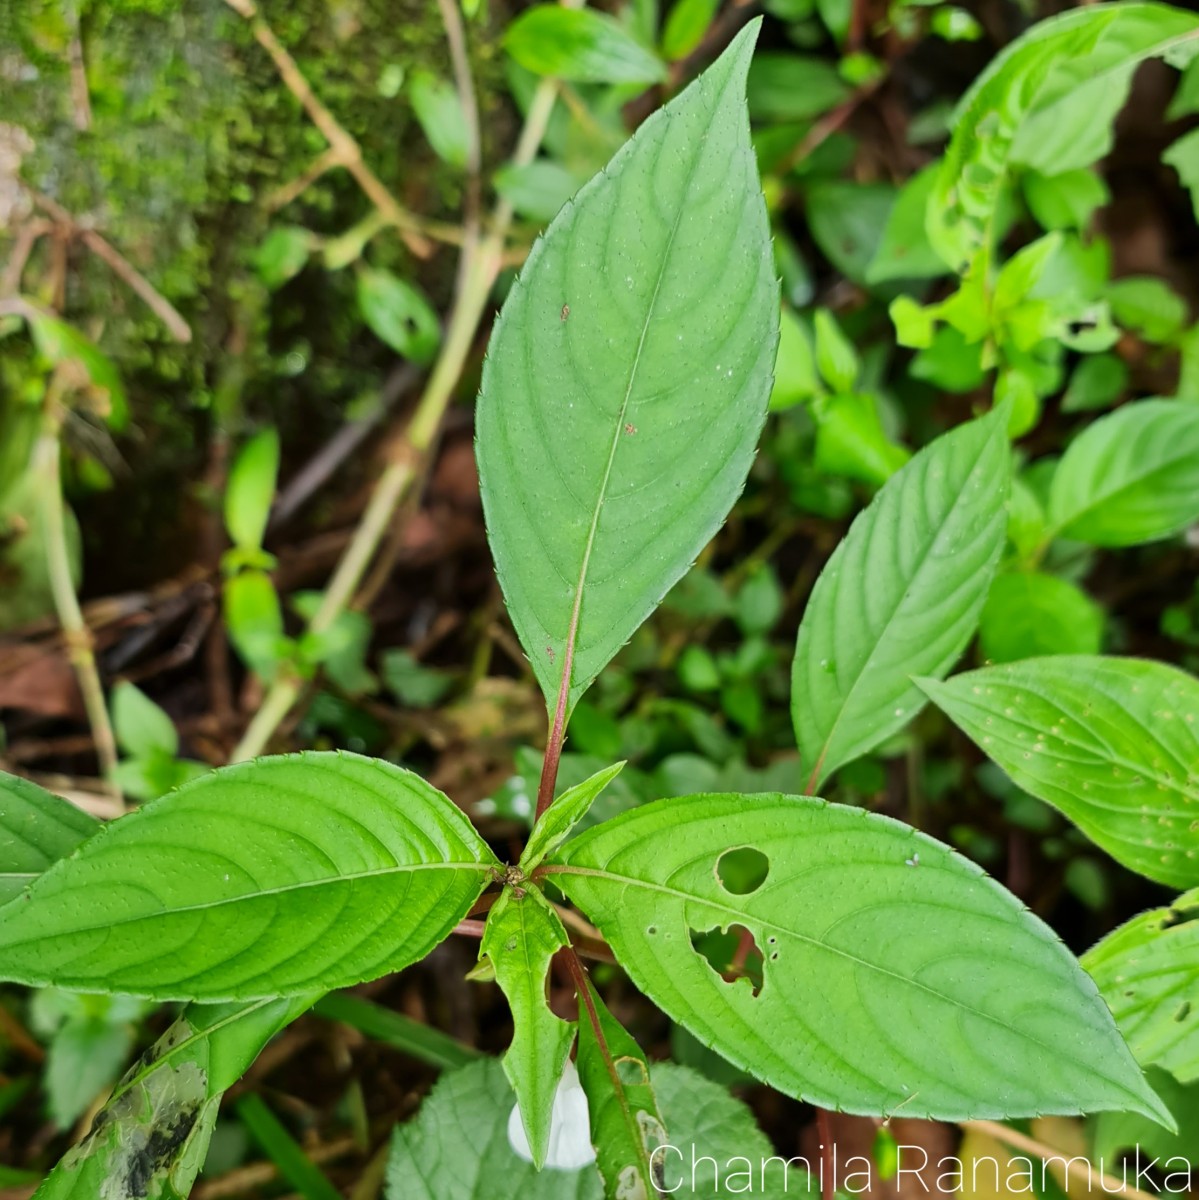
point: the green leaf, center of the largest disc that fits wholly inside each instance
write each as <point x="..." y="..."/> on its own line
<point x="1130" y="477"/>
<point x="836" y="359"/>
<point x="36" y="830"/>
<point x="1147" y="971"/>
<point x="1113" y="1134"/>
<point x="151" y="1137"/>
<point x="627" y="380"/>
<point x="537" y="190"/>
<point x="60" y="343"/>
<point x="410" y="1037"/>
<point x="267" y="878"/>
<point x="1065" y="200"/>
<point x="141" y="727"/>
<point x="795" y="378"/>
<point x="1110" y="742"/>
<point x="581" y="45"/>
<point x="251" y="489"/>
<point x="759" y="602"/>
<point x="875" y="942"/>
<point x="905" y="251"/>
<point x="900" y="596"/>
<point x="563" y="815"/>
<point x="1098" y="381"/>
<point x="851" y="441"/>
<point x="430" y="1159"/>
<point x="254" y="621"/>
<point x="1183" y="156"/>
<point x="521" y="937"/>
<point x="685" y="27"/>
<point x="439" y="111"/>
<point x="792" y="87"/>
<point x="1148" y="306"/>
<point x="411" y="682"/>
<point x="282" y="255"/>
<point x="398" y="314"/>
<point x="90" y="1038"/>
<point x="626" y="1126"/>
<point x="1037" y="75"/>
<point x="294" y="1165"/>
<point x="847" y="222"/>
<point x="1029" y="614"/>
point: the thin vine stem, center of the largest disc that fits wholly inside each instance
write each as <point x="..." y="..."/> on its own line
<point x="407" y="453"/>
<point x="47" y="468"/>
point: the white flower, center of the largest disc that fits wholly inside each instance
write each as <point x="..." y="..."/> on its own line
<point x="570" y="1127"/>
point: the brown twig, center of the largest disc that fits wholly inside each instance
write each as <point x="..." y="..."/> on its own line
<point x="410" y="449"/>
<point x="26" y="239"/>
<point x="120" y="266"/>
<point x="248" y="1178"/>
<point x="1045" y="1152"/>
<point x="343" y="146"/>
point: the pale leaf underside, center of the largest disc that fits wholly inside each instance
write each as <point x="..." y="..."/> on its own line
<point x="627" y="379"/>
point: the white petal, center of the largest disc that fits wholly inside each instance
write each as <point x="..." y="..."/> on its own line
<point x="570" y="1127"/>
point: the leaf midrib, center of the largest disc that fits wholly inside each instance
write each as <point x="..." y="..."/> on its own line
<point x="739" y="916"/>
<point x="568" y="657"/>
<point x="1059" y="525"/>
<point x="818" y="773"/>
<point x="1150" y="775"/>
<point x="331" y="881"/>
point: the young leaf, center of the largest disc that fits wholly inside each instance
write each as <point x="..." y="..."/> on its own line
<point x="1096" y="47"/>
<point x="521" y="937"/>
<point x="904" y="251"/>
<point x="686" y="25"/>
<point x="836" y="359"/>
<point x="1130" y="477"/>
<point x="36" y="830"/>
<point x="282" y="255"/>
<point x="398" y="314"/>
<point x="875" y="941"/>
<point x="251" y="490"/>
<point x="562" y="816"/>
<point x="439" y="111"/>
<point x="141" y="727"/>
<point x="1148" y="971"/>
<point x="581" y="45"/>
<point x="268" y="878"/>
<point x="254" y="621"/>
<point x="1028" y="614"/>
<point x="626" y="1126"/>
<point x="1113" y="743"/>
<point x="1148" y="306"/>
<point x="152" y="1135"/>
<point x="1183" y="156"/>
<point x="89" y="1042"/>
<point x="900" y="596"/>
<point x="627" y="380"/>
